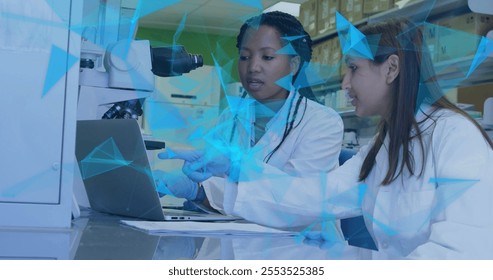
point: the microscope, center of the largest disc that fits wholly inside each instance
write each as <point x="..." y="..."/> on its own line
<point x="117" y="73"/>
<point x="115" y="81"/>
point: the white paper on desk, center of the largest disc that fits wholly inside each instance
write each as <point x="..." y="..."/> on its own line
<point x="206" y="228"/>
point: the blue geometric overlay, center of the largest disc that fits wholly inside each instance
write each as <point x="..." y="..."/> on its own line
<point x="167" y="119"/>
<point x="60" y="62"/>
<point x="105" y="157"/>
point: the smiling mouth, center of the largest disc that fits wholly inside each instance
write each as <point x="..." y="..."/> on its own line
<point x="349" y="97"/>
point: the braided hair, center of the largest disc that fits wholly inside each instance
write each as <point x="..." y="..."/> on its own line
<point x="288" y="26"/>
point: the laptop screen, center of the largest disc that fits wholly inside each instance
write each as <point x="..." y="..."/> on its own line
<point x="115" y="169"/>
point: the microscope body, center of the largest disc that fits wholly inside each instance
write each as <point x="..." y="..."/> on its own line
<point x="122" y="72"/>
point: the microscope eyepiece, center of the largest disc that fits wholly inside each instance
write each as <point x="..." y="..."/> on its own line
<point x="174" y="61"/>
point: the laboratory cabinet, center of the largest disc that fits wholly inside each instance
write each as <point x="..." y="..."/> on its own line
<point x="180" y="109"/>
<point x="39" y="50"/>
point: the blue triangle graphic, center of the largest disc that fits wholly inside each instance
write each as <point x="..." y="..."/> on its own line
<point x="449" y="180"/>
<point x="226" y="71"/>
<point x="361" y="44"/>
<point x="164" y="115"/>
<point x="219" y="72"/>
<point x="197" y="133"/>
<point x="352" y="39"/>
<point x="292" y="38"/>
<point x="234" y="103"/>
<point x="179" y="29"/>
<point x="485" y="48"/>
<point x="341" y="22"/>
<point x="60" y="62"/>
<point x="385" y="228"/>
<point x="308" y="77"/>
<point x="288" y="49"/>
<point x="285" y="81"/>
<point x="103" y="158"/>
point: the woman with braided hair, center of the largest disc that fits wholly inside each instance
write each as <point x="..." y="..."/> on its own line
<point x="276" y="123"/>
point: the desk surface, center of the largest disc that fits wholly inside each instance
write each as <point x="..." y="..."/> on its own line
<point x="97" y="236"/>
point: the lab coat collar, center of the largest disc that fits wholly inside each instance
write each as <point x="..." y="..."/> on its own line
<point x="274" y="129"/>
<point x="282" y="113"/>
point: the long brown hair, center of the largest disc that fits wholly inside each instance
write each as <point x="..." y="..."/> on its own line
<point x="416" y="85"/>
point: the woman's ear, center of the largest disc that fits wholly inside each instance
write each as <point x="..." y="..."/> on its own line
<point x="393" y="68"/>
<point x="294" y="64"/>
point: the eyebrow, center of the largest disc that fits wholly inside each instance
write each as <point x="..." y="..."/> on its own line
<point x="262" y="49"/>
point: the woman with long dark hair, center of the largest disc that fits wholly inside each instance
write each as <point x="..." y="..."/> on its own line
<point x="424" y="184"/>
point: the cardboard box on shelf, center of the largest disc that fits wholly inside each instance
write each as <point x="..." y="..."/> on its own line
<point x="475" y="95"/>
<point x="327" y="59"/>
<point x="332" y="55"/>
<point x="330" y="52"/>
<point x="337" y="100"/>
<point x="352" y="10"/>
<point x="308" y="16"/>
<point x="336" y="52"/>
<point x="430" y="35"/>
<point x="326" y="18"/>
<point x="473" y="23"/>
<point x="371" y="7"/>
<point x="316" y="56"/>
<point x="324" y="52"/>
<point x="459" y="36"/>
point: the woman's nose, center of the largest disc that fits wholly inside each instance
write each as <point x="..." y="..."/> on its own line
<point x="345" y="82"/>
<point x="254" y="65"/>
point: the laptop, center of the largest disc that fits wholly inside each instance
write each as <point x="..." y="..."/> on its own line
<point x="117" y="175"/>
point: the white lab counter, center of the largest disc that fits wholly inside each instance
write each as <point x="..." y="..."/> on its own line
<point x="98" y="236"/>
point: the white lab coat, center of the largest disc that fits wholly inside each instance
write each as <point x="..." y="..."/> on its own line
<point x="313" y="146"/>
<point x="414" y="217"/>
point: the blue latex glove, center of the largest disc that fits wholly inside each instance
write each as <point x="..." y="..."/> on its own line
<point x="319" y="239"/>
<point x="199" y="165"/>
<point x="175" y="184"/>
